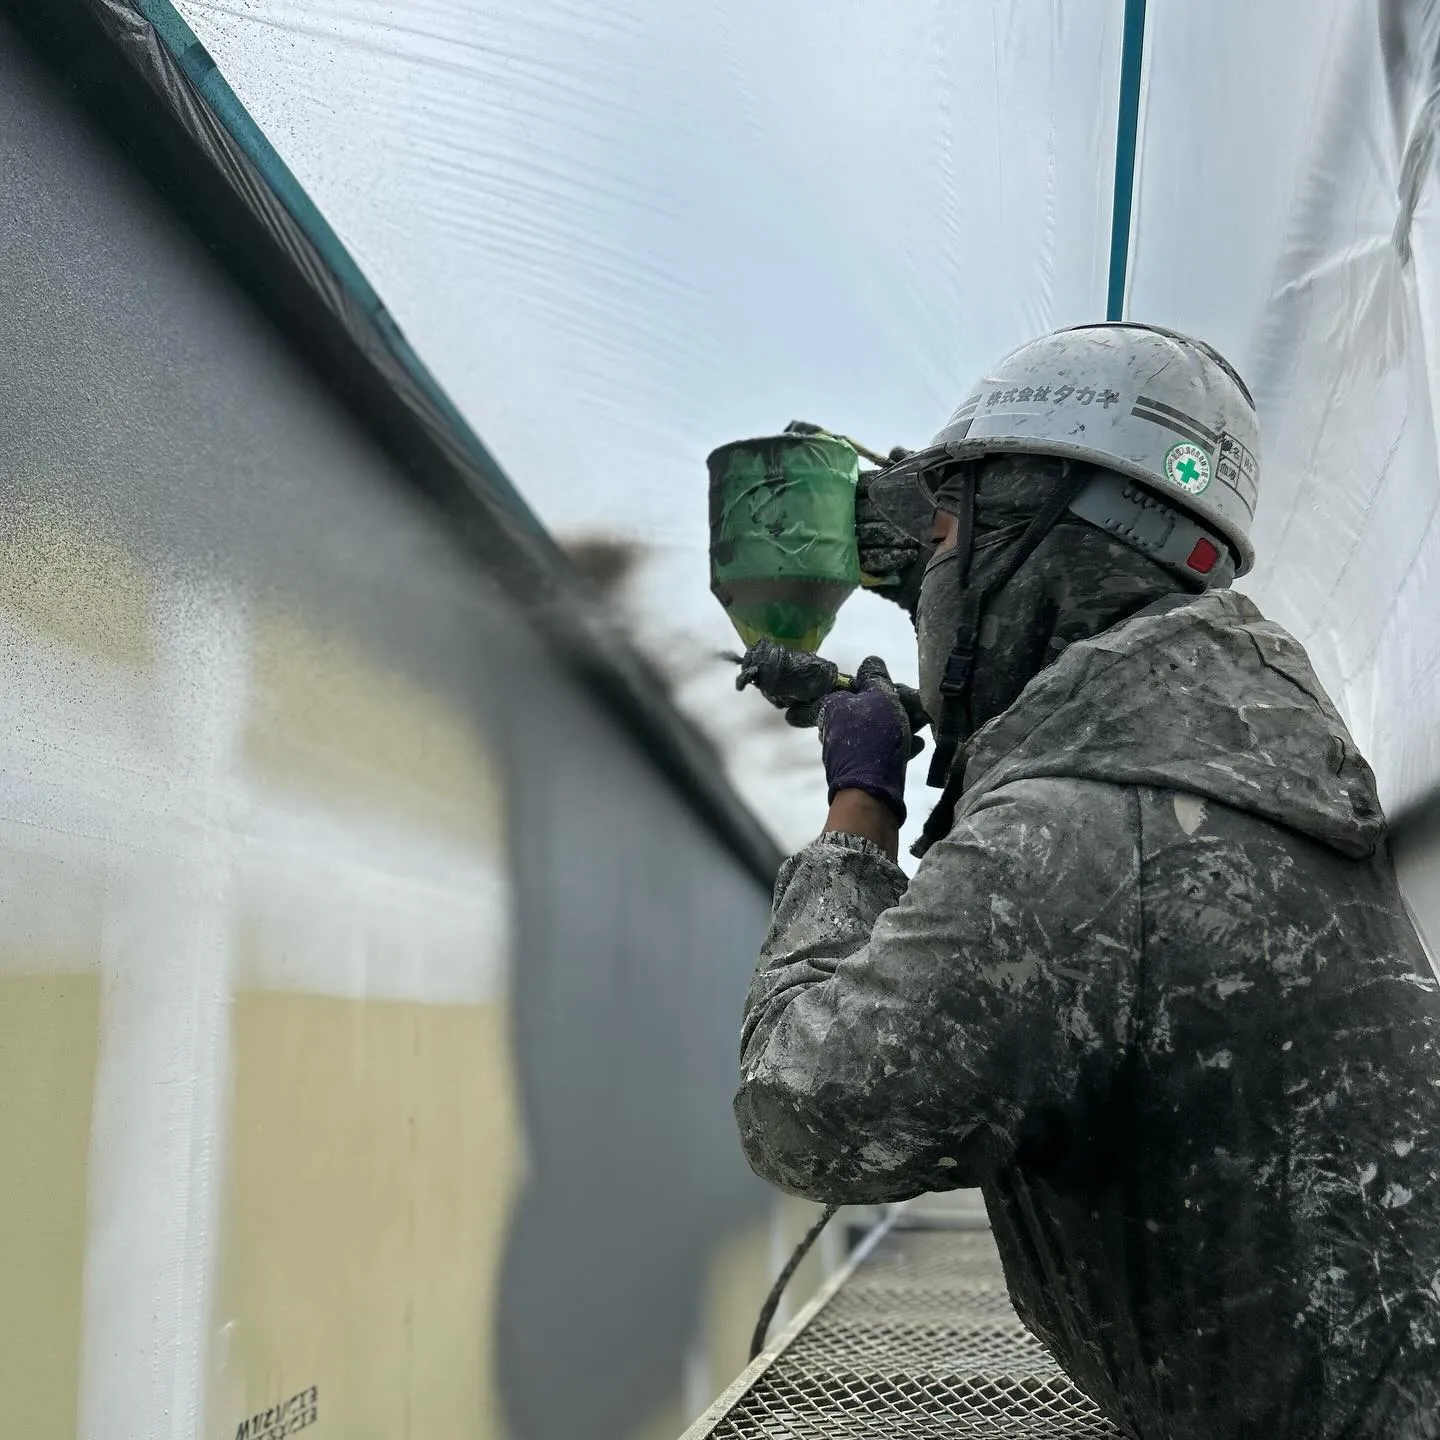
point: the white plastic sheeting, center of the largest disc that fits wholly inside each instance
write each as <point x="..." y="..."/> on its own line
<point x="621" y="234"/>
<point x="1273" y="215"/>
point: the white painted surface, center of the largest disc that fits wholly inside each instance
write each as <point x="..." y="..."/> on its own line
<point x="159" y="1106"/>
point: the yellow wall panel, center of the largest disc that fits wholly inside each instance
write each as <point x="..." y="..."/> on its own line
<point x="372" y="1160"/>
<point x="49" y="1041"/>
<point x="332" y="722"/>
<point x="742" y="1270"/>
<point x="741" y="1273"/>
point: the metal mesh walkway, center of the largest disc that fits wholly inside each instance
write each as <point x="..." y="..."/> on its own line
<point x="917" y="1341"/>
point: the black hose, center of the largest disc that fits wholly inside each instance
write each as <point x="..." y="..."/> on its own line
<point x="772" y="1300"/>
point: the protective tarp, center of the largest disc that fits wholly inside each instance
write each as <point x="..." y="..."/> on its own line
<point x="621" y="235"/>
<point x="1292" y="222"/>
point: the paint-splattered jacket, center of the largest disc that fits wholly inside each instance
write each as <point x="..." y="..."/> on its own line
<point x="1157" y="995"/>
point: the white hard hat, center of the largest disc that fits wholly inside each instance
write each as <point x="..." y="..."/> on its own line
<point x="1150" y="404"/>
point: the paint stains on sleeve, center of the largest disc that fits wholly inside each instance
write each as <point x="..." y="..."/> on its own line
<point x="1189" y="812"/>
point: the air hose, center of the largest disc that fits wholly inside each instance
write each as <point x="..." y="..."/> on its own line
<point x="772" y="1300"/>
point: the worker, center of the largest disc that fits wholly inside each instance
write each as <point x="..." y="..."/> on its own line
<point x="1152" y="987"/>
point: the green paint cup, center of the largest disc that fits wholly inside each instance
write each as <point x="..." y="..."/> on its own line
<point x="783" y="557"/>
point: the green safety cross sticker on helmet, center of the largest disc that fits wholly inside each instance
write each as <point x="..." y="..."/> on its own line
<point x="1188" y="466"/>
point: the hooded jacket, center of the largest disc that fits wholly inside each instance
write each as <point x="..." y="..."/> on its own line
<point x="1158" y="996"/>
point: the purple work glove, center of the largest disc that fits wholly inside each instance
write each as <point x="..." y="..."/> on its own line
<point x="865" y="738"/>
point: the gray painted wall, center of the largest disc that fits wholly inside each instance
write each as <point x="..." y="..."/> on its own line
<point x="141" y="392"/>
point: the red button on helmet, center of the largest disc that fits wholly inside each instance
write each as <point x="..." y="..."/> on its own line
<point x="1203" y="557"/>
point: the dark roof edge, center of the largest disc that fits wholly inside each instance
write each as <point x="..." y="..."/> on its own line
<point x="161" y="99"/>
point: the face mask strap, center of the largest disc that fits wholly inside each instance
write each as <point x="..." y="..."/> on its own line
<point x="953" y="723"/>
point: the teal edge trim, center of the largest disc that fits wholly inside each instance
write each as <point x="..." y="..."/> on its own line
<point x="1126" y="135"/>
<point x="204" y="74"/>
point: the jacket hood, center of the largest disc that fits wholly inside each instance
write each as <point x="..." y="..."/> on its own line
<point x="1199" y="694"/>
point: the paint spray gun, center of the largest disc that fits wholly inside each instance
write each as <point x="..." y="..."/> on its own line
<point x="796" y="681"/>
<point x="784" y="558"/>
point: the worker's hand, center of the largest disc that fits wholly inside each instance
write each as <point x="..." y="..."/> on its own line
<point x="891" y="561"/>
<point x="794" y="681"/>
<point x="865" y="737"/>
<point x="797" y="681"/>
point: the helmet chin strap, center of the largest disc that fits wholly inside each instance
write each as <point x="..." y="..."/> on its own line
<point x="956" y="684"/>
